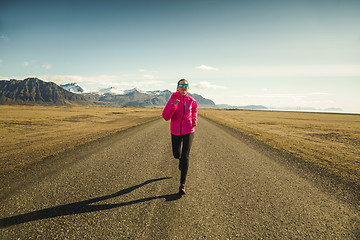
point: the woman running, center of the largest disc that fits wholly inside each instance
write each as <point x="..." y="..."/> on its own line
<point x="182" y="110"/>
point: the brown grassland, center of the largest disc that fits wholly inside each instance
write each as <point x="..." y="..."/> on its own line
<point x="331" y="141"/>
<point x="31" y="133"/>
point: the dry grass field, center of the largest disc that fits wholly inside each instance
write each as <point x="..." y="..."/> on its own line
<point x="31" y="133"/>
<point x="331" y="141"/>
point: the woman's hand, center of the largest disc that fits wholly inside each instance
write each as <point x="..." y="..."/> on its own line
<point x="176" y="102"/>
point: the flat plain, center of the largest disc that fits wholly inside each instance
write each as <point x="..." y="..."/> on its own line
<point x="31" y="133"/>
<point x="329" y="140"/>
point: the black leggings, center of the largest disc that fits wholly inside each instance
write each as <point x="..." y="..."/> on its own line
<point x="182" y="154"/>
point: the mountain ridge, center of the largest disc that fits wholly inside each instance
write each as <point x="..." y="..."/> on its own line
<point x="37" y="92"/>
<point x="133" y="97"/>
<point x="34" y="91"/>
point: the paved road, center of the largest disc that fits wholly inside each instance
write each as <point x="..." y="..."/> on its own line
<point x="125" y="187"/>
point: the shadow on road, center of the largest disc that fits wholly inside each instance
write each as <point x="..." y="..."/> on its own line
<point x="84" y="206"/>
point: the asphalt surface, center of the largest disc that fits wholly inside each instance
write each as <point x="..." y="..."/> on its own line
<point x="125" y="187"/>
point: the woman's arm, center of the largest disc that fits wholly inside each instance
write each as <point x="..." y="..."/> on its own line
<point x="194" y="114"/>
<point x="170" y="109"/>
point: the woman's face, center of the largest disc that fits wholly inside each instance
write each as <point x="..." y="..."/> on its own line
<point x="183" y="87"/>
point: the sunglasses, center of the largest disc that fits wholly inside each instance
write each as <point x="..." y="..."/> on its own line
<point x="183" y="85"/>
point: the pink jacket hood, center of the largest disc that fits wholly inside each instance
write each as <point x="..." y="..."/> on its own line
<point x="183" y="115"/>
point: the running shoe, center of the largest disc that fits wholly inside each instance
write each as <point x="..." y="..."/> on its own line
<point x="182" y="189"/>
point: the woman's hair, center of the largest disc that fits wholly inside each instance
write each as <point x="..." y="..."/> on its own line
<point x="182" y="80"/>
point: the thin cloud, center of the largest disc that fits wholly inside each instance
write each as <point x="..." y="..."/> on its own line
<point x="34" y="63"/>
<point x="315" y="99"/>
<point x="319" y="93"/>
<point x="47" y="66"/>
<point x="74" y="78"/>
<point x="140" y="83"/>
<point x="206" y="68"/>
<point x="147" y="74"/>
<point x="106" y="80"/>
<point x="330" y="70"/>
<point x="4" y="37"/>
<point x="275" y="95"/>
<point x="147" y="71"/>
<point x="206" y="85"/>
<point x="148" y="77"/>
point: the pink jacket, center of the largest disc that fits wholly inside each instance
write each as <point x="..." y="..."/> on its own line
<point x="182" y="116"/>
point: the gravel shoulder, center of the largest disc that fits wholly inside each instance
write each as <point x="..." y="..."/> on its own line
<point x="124" y="186"/>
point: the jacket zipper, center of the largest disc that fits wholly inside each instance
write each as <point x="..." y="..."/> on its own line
<point x="182" y="116"/>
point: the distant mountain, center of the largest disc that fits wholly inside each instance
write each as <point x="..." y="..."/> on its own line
<point x="203" y="102"/>
<point x="74" y="88"/>
<point x="133" y="97"/>
<point x="38" y="92"/>
<point x="130" y="98"/>
<point x="261" y="107"/>
<point x="308" y="109"/>
<point x="247" y="107"/>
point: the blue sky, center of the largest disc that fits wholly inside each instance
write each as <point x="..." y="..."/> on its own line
<point x="272" y="53"/>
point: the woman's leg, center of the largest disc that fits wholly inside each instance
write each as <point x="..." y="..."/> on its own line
<point x="176" y="145"/>
<point x="184" y="160"/>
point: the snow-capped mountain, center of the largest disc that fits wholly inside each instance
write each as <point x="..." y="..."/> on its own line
<point x="110" y="90"/>
<point x="157" y="92"/>
<point x="74" y="88"/>
<point x="133" y="97"/>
